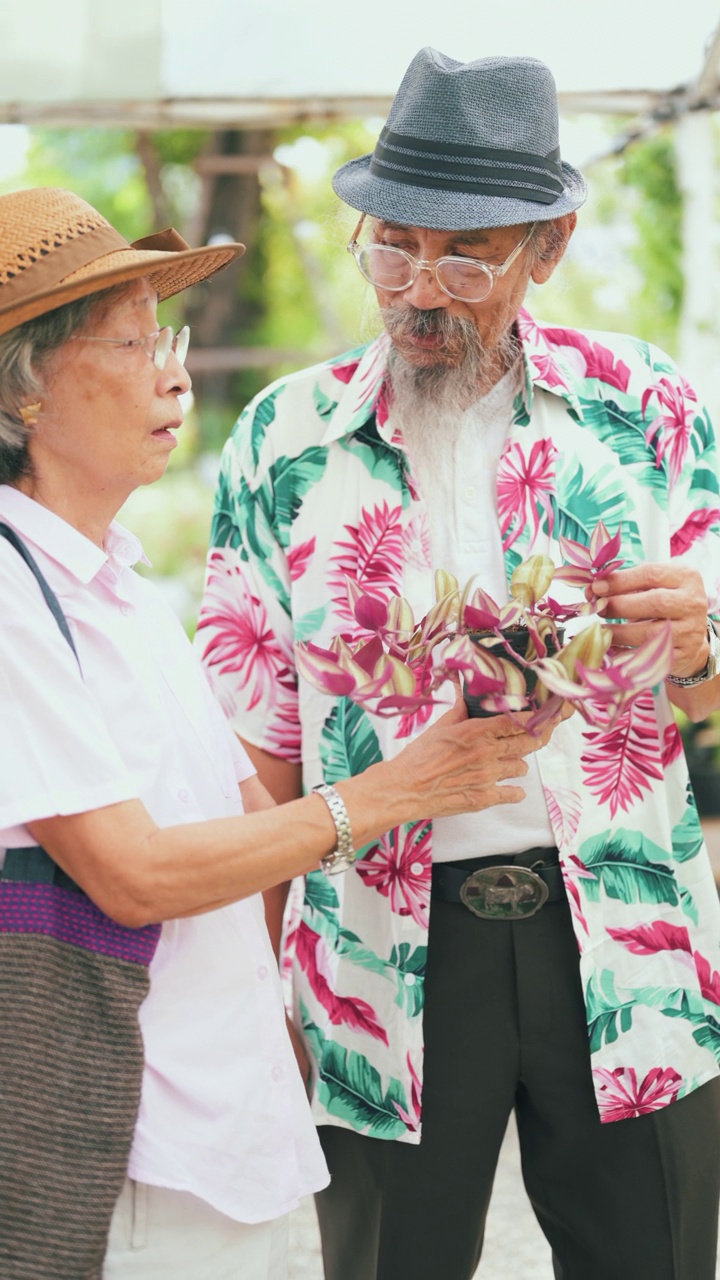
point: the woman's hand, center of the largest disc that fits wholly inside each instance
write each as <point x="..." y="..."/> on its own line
<point x="460" y="765"/>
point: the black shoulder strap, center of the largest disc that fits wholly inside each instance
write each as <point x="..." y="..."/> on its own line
<point x="50" y="598"/>
<point x="32" y="864"/>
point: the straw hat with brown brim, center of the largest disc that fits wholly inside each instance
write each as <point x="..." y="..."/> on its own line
<point x="54" y="248"/>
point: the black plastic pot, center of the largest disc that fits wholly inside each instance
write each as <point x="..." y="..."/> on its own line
<point x="518" y="639"/>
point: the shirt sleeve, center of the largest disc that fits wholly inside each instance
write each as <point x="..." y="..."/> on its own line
<point x="245" y="631"/>
<point x="682" y="435"/>
<point x="57" y="755"/>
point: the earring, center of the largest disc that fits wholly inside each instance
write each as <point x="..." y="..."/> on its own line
<point x="29" y="413"/>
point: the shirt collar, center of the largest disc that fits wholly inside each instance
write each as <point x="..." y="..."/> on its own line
<point x="63" y="543"/>
<point x="364" y="390"/>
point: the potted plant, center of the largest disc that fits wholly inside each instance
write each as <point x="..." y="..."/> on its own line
<point x="510" y="658"/>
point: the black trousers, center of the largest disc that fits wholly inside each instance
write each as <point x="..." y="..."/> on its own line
<point x="505" y="1028"/>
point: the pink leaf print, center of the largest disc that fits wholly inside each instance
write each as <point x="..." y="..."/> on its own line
<point x="574" y="870"/>
<point x="412" y="1122"/>
<point x="344" y="372"/>
<point x="525" y="488"/>
<point x="648" y="939"/>
<point x="527" y="328"/>
<point x="670" y="432"/>
<point x="416" y="542"/>
<point x="371" y="557"/>
<point x="694" y="528"/>
<point x="549" y="371"/>
<point x="564" y="809"/>
<point x="399" y="867"/>
<point x="621" y="762"/>
<point x="283" y="732"/>
<point x="241" y="639"/>
<point x="709" y="979"/>
<point x="299" y="558"/>
<point x="621" y="1098"/>
<point x="672" y="744"/>
<point x="312" y="956"/>
<point x="598" y="361"/>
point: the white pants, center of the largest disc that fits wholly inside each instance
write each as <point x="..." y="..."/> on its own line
<point x="158" y="1234"/>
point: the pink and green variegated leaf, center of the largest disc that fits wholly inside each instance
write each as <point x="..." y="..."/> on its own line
<point x="321" y="669"/>
<point x="555" y="678"/>
<point x="648" y="939"/>
<point x="622" y="764"/>
<point x="371" y="613"/>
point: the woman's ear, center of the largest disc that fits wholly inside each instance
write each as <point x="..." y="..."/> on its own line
<point x="553" y="239"/>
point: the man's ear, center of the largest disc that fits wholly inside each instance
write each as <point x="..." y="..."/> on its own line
<point x="553" y="240"/>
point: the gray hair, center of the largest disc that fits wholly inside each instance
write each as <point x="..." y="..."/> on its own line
<point x="24" y="354"/>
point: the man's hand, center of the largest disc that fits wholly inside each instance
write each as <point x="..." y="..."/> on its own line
<point x="650" y="594"/>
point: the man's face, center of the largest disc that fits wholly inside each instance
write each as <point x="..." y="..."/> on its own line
<point x="416" y="317"/>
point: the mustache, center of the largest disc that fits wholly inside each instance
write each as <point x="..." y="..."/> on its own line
<point x="410" y="322"/>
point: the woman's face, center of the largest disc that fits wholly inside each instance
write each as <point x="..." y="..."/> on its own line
<point x="109" y="416"/>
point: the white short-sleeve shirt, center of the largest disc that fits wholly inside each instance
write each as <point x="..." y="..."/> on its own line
<point x="223" y="1113"/>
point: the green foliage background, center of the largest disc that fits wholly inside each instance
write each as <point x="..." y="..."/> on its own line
<point x="309" y="297"/>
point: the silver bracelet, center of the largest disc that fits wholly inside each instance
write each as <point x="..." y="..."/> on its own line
<point x="343" y="855"/>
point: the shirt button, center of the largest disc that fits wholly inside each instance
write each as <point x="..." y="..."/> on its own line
<point x="262" y="972"/>
<point x="277" y="1074"/>
<point x="417" y="869"/>
<point x="126" y="609"/>
<point x="184" y="795"/>
<point x="410" y="979"/>
<point x="469" y="492"/>
<point x="416" y="545"/>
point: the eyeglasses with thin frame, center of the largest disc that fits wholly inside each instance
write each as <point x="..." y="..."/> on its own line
<point x="157" y="345"/>
<point x="392" y="269"/>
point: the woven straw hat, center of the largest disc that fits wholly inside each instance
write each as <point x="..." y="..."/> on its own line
<point x="54" y="248"/>
<point x="466" y="145"/>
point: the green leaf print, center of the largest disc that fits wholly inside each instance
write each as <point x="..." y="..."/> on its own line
<point x="224" y="531"/>
<point x="289" y="480"/>
<point x="352" y="948"/>
<point x="687" y="836"/>
<point x="350" y="1088"/>
<point x="623" y="431"/>
<point x="703" y="441"/>
<point x="708" y="1036"/>
<point x="620" y="860"/>
<point x="308" y="624"/>
<point x="320" y="893"/>
<point x="605" y="1010"/>
<point x="381" y="460"/>
<point x="687" y="902"/>
<point x="581" y="502"/>
<point x="703" y="481"/>
<point x="312" y="1032"/>
<point x="324" y="406"/>
<point x="410" y="975"/>
<point x="263" y="415"/>
<point x="673" y="1002"/>
<point x="348" y="744"/>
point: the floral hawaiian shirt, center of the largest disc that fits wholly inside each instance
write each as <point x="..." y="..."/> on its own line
<point x="315" y="487"/>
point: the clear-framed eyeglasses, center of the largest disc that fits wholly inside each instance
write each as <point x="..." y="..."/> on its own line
<point x="393" y="270"/>
<point x="157" y="345"/>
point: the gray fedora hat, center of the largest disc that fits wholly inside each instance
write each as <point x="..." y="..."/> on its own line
<point x="466" y="145"/>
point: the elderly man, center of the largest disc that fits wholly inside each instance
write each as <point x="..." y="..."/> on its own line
<point x="467" y="437"/>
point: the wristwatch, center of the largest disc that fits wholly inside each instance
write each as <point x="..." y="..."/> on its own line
<point x="711" y="668"/>
<point x="343" y="855"/>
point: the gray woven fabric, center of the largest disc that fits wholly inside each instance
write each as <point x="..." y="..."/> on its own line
<point x="70" y="1076"/>
<point x="465" y="112"/>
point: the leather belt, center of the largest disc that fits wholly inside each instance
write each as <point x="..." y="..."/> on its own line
<point x="508" y="887"/>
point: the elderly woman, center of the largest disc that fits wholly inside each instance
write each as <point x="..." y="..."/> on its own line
<point x="120" y="774"/>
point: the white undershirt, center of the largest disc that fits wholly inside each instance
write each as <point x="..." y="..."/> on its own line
<point x="461" y="496"/>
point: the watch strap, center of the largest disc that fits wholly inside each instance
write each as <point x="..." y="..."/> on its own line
<point x="711" y="668"/>
<point x="343" y="855"/>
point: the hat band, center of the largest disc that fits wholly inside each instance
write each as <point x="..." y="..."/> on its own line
<point x="490" y="171"/>
<point x="53" y="265"/>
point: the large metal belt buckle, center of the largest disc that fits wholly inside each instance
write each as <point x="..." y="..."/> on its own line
<point x="504" y="893"/>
